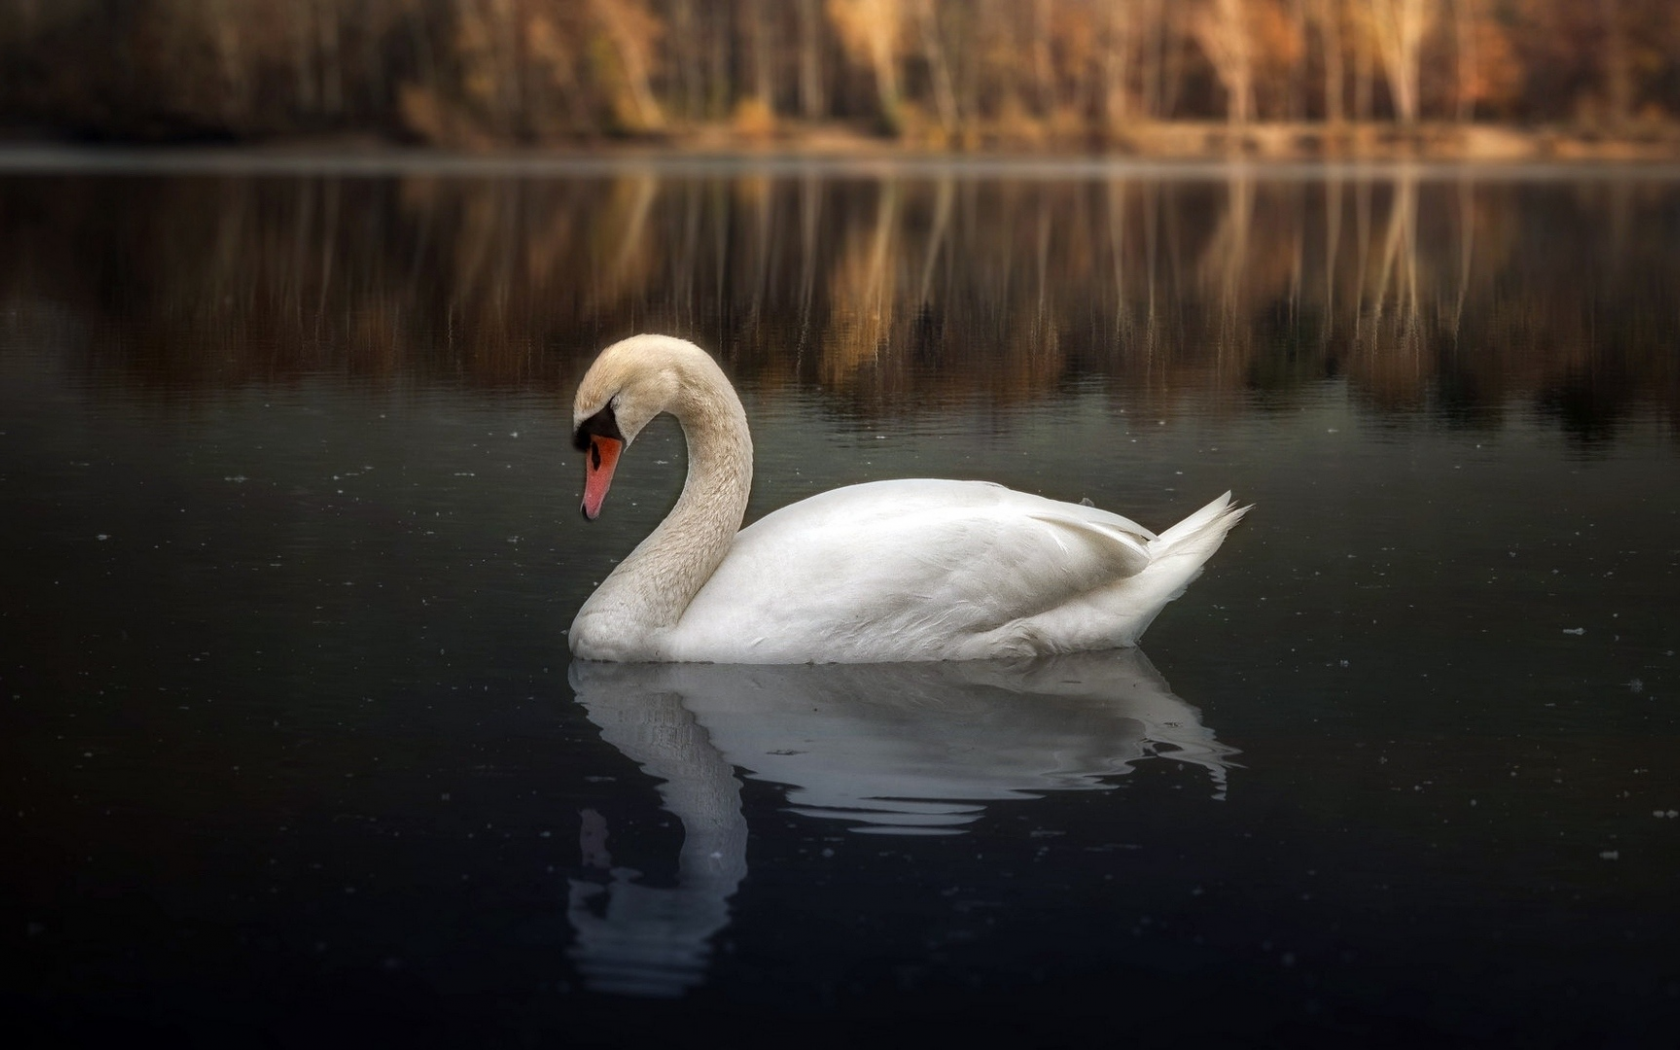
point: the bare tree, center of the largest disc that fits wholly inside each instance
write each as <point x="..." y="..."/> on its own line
<point x="1618" y="71"/>
<point x="484" y="71"/>
<point x="1117" y="54"/>
<point x="633" y="30"/>
<point x="811" y="100"/>
<point x="1329" y="18"/>
<point x="1298" y="19"/>
<point x="872" y="29"/>
<point x="1364" y="70"/>
<point x="1222" y="30"/>
<point x="331" y="60"/>
<point x="1464" y="35"/>
<point x="303" y="56"/>
<point x="233" y="64"/>
<point x="760" y="35"/>
<point x="1044" y="78"/>
<point x="945" y="100"/>
<point x="1399" y="27"/>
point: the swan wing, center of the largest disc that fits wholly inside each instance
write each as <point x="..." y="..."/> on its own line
<point x="912" y="569"/>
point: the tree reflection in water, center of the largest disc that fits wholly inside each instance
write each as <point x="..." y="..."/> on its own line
<point x="1426" y="288"/>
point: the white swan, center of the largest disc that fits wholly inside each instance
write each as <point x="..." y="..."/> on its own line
<point x="884" y="572"/>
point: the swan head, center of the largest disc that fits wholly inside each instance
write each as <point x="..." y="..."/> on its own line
<point x="630" y="382"/>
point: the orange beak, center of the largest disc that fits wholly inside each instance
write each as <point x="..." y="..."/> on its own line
<point x="598" y="472"/>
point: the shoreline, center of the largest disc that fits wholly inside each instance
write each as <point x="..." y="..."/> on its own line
<point x="1185" y="148"/>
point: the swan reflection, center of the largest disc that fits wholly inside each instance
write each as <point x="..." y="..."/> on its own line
<point x="891" y="748"/>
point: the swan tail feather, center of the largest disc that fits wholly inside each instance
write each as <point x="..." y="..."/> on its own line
<point x="1116" y="615"/>
<point x="1178" y="554"/>
<point x="1206" y="528"/>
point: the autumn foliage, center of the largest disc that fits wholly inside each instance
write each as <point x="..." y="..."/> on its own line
<point x="963" y="75"/>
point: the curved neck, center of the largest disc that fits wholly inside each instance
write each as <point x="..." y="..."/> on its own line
<point x="655" y="584"/>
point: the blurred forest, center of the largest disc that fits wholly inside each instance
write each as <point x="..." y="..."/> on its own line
<point x="965" y="75"/>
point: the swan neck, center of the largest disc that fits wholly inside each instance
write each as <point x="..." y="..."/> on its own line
<point x="652" y="588"/>
<point x="714" y="494"/>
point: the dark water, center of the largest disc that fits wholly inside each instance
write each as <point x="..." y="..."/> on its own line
<point x="291" y="750"/>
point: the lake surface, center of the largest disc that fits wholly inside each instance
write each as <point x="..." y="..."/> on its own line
<point x="292" y="750"/>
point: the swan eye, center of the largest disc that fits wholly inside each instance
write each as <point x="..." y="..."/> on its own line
<point x="602" y="424"/>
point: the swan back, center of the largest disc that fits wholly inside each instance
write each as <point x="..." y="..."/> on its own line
<point x="926" y="569"/>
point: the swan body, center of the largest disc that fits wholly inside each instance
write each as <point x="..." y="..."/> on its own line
<point x="885" y="572"/>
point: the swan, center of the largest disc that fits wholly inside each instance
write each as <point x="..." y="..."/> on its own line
<point x="883" y="572"/>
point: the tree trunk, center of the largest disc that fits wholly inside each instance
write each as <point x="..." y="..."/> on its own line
<point x="1223" y="33"/>
<point x="1297" y="107"/>
<point x="927" y="24"/>
<point x="1399" y="26"/>
<point x="1465" y="26"/>
<point x="810" y="60"/>
<point x="759" y="36"/>
<point x="1618" y="73"/>
<point x="332" y="69"/>
<point x="1362" y="77"/>
<point x="1172" y="60"/>
<point x="1044" y="77"/>
<point x="303" y="56"/>
<point x="631" y="56"/>
<point x="1116" y="62"/>
<point x="225" y="35"/>
<point x="1330" y="34"/>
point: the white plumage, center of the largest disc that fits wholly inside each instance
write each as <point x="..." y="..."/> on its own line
<point x="890" y="571"/>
